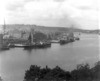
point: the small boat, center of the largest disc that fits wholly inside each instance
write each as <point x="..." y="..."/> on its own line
<point x="19" y="45"/>
<point x="16" y="45"/>
<point x="36" y="44"/>
<point x="44" y="45"/>
<point x="63" y="41"/>
<point x="55" y="41"/>
<point x="71" y="40"/>
<point x="11" y="45"/>
<point x="29" y="46"/>
<point x="77" y="38"/>
<point x="4" y="48"/>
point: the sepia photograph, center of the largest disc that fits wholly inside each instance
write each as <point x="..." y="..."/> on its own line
<point x="49" y="40"/>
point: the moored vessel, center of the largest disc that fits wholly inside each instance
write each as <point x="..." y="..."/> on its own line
<point x="3" y="44"/>
<point x="36" y="44"/>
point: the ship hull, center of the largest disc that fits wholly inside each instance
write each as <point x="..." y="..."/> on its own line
<point x="64" y="42"/>
<point x="4" y="48"/>
<point x="37" y="46"/>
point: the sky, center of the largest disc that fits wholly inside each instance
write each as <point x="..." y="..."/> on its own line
<point x="63" y="13"/>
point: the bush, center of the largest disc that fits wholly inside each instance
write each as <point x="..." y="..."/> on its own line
<point x="83" y="72"/>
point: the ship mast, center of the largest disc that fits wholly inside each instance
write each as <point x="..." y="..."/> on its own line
<point x="32" y="33"/>
<point x="4" y="27"/>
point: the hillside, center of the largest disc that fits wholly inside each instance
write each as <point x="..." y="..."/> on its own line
<point x="47" y="29"/>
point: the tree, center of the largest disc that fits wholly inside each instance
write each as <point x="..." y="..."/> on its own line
<point x="44" y="72"/>
<point x="82" y="72"/>
<point x="96" y="70"/>
<point x="33" y="73"/>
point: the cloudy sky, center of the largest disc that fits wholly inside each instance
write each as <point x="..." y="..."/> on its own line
<point x="65" y="13"/>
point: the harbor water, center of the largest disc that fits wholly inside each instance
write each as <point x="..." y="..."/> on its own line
<point x="15" y="61"/>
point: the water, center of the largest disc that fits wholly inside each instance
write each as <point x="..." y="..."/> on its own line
<point x="15" y="61"/>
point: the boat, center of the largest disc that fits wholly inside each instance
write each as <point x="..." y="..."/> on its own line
<point x="63" y="42"/>
<point x="68" y="39"/>
<point x="3" y="44"/>
<point x="55" y="41"/>
<point x="39" y="44"/>
<point x="11" y="45"/>
<point x="19" y="45"/>
<point x="71" y="40"/>
<point x="4" y="47"/>
<point x="42" y="44"/>
<point x="29" y="46"/>
<point x="77" y="38"/>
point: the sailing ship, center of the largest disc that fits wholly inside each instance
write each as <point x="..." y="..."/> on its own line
<point x="3" y="44"/>
<point x="32" y="43"/>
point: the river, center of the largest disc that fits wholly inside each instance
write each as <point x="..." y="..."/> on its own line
<point x="15" y="61"/>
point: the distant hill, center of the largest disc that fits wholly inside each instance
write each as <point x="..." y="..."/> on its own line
<point x="47" y="29"/>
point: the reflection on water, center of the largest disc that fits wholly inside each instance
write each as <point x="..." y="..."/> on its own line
<point x="15" y="61"/>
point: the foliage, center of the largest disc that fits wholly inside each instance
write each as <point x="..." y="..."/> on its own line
<point x="83" y="72"/>
<point x="1" y="79"/>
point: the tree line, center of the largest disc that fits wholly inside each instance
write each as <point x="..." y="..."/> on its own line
<point x="83" y="72"/>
